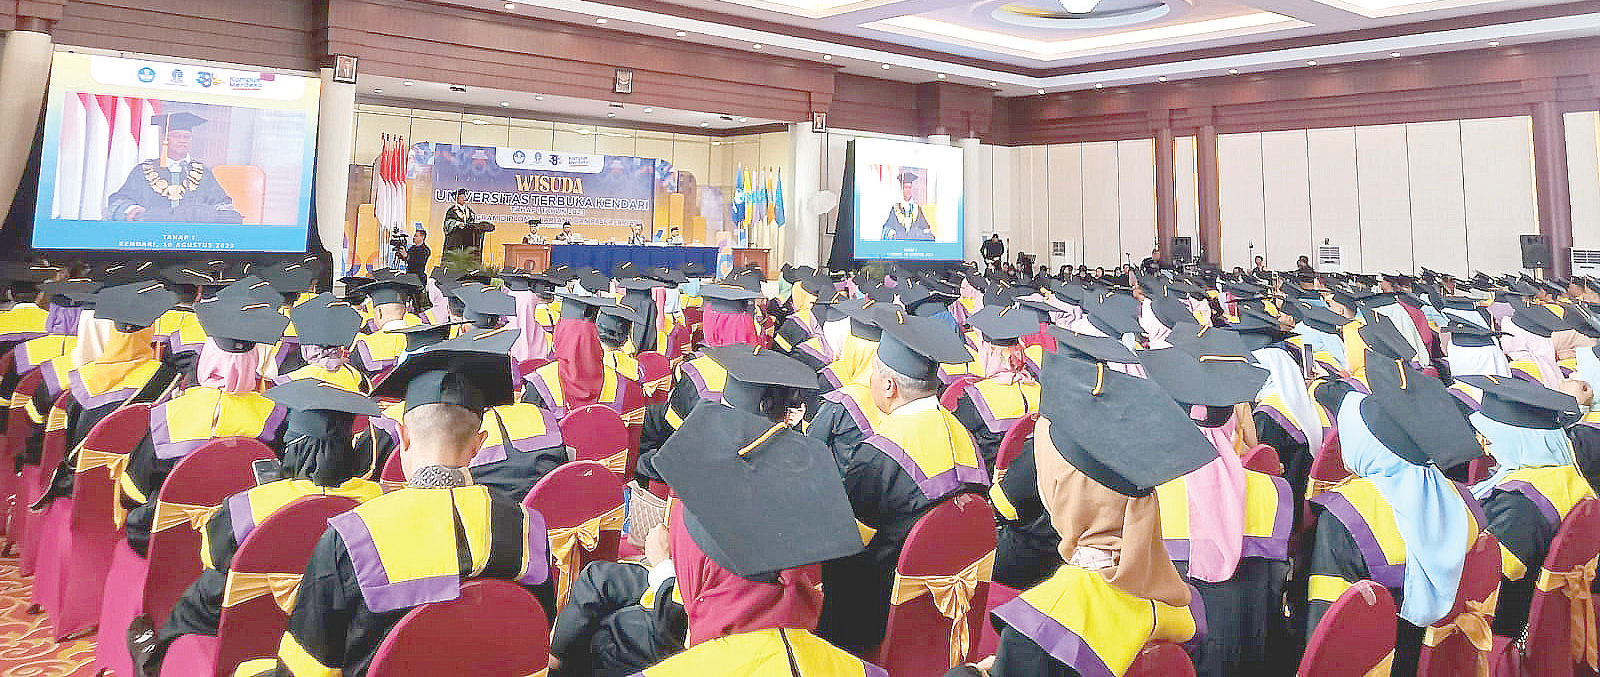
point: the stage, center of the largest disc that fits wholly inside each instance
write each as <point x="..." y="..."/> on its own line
<point x="604" y="257"/>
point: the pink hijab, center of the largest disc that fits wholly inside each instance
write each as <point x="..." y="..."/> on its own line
<point x="725" y="329"/>
<point x="1216" y="507"/>
<point x="1007" y="365"/>
<point x="534" y="342"/>
<point x="230" y="372"/>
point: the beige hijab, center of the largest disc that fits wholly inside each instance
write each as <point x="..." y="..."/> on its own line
<point x="1095" y="522"/>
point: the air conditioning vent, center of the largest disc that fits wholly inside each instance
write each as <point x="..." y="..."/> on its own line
<point x="1585" y="261"/>
<point x="1330" y="258"/>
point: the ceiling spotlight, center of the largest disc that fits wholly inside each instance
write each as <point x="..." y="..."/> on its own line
<point x="1394" y="55"/>
<point x="744" y="119"/>
<point x="539" y="97"/>
<point x="993" y="85"/>
<point x="584" y="131"/>
<point x="705" y="124"/>
<point x="681" y="33"/>
<point x="377" y="91"/>
<point x="1311" y="63"/>
<point x="601" y="20"/>
<point x="756" y="46"/>
<point x="1233" y="71"/>
<point x="408" y="83"/>
<point x="611" y="115"/>
<point x="886" y="66"/>
<point x="648" y="110"/>
<point x="941" y="76"/>
<point x="504" y="104"/>
<point x="511" y="5"/>
<point x="1041" y="91"/>
<point x="1099" y="85"/>
<point x="1079" y="6"/>
<point x="1161" y="79"/>
<point x="1494" y="43"/>
<point x="827" y="57"/>
<point x="479" y="122"/>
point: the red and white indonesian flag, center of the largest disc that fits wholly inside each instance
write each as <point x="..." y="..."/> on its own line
<point x="389" y="183"/>
<point x="102" y="138"/>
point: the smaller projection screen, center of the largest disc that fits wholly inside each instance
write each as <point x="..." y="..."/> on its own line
<point x="145" y="155"/>
<point x="908" y="200"/>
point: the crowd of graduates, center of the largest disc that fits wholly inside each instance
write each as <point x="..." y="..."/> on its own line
<point x="786" y="436"/>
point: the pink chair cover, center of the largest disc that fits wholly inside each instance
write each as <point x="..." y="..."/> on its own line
<point x="1480" y="578"/>
<point x="1161" y="659"/>
<point x="654" y="366"/>
<point x="944" y="541"/>
<point x="1264" y="459"/>
<point x="1011" y="443"/>
<point x="394" y="474"/>
<point x="1355" y="635"/>
<point x="18" y="428"/>
<point x="989" y="640"/>
<point x="595" y="433"/>
<point x="120" y="601"/>
<point x="576" y="493"/>
<point x="1546" y="646"/>
<point x="952" y="392"/>
<point x="476" y="624"/>
<point x="36" y="480"/>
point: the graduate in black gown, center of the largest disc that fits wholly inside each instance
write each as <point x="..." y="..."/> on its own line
<point x="175" y="188"/>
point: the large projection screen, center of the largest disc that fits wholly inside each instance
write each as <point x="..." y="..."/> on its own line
<point x="908" y="200"/>
<point x="142" y="154"/>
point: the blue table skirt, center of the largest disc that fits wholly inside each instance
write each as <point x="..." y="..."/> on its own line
<point x="605" y="256"/>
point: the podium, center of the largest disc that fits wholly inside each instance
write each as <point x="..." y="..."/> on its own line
<point x="743" y="256"/>
<point x="531" y="257"/>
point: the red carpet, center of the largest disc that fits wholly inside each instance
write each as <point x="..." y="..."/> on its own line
<point x="26" y="649"/>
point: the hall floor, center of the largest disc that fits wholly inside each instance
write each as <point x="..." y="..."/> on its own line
<point x="26" y="649"/>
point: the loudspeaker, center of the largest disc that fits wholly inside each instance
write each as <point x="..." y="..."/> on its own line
<point x="1534" y="252"/>
<point x="1181" y="252"/>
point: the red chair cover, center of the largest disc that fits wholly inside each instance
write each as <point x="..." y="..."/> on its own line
<point x="281" y="544"/>
<point x="203" y="479"/>
<point x="495" y="629"/>
<point x="394" y="474"/>
<point x="656" y="371"/>
<point x="1161" y="659"/>
<point x="989" y="640"/>
<point x="35" y="480"/>
<point x="1355" y="636"/>
<point x="1327" y="469"/>
<point x="92" y="529"/>
<point x="581" y="503"/>
<point x="597" y="433"/>
<point x="18" y="429"/>
<point x="954" y="539"/>
<point x="121" y="600"/>
<point x="952" y="392"/>
<point x="1011" y="443"/>
<point x="1264" y="459"/>
<point x="1547" y="646"/>
<point x="1449" y="648"/>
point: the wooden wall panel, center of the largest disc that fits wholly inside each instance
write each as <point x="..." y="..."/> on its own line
<point x="872" y="105"/>
<point x="1335" y="214"/>
<point x="1239" y="187"/>
<point x="1136" y="198"/>
<point x="1102" y="237"/>
<point x="1438" y="201"/>
<point x="1583" y="174"/>
<point x="1497" y="163"/>
<point x="1286" y="198"/>
<point x="1384" y="197"/>
<point x="268" y="33"/>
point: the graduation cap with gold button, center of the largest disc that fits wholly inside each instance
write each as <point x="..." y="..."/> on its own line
<point x="1538" y="320"/>
<point x="1469" y="335"/>
<point x="71" y="293"/>
<point x="391" y="289"/>
<point x="133" y="306"/>
<point x="187" y="274"/>
<point x="1322" y="319"/>
<point x="1003" y="326"/>
<point x="485" y="305"/>
<point x="1415" y="417"/>
<point x="915" y="346"/>
<point x="252" y="288"/>
<point x="291" y="278"/>
<point x="1123" y="431"/>
<point x="1114" y="313"/>
<point x="583" y="306"/>
<point x="324" y="320"/>
<point x="1206" y="380"/>
<point x="1383" y="338"/>
<point x="753" y="372"/>
<point x="615" y="321"/>
<point x="1098" y="348"/>
<point x="727" y="299"/>
<point x="1525" y="404"/>
<point x="423" y="335"/>
<point x="237" y="324"/>
<point x="472" y="371"/>
<point x="758" y="497"/>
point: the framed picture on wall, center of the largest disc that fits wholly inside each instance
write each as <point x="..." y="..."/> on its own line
<point x="622" y="82"/>
<point x="344" y="69"/>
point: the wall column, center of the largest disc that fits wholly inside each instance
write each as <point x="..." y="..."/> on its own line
<point x="803" y="239"/>
<point x="1208" y="193"/>
<point x="336" y="138"/>
<point x="1550" y="185"/>
<point x="24" y="75"/>
<point x="1166" y="184"/>
<point x="971" y="210"/>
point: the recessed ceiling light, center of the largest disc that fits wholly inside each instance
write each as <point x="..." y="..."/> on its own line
<point x="941" y="76"/>
<point x="827" y="57"/>
<point x="539" y="98"/>
<point x="479" y="122"/>
<point x="1311" y="63"/>
<point x="1233" y="71"/>
<point x="755" y="46"/>
<point x="1099" y="85"/>
<point x="408" y="83"/>
<point x="611" y="115"/>
<point x="682" y="33"/>
<point x="377" y="91"/>
<point x="1394" y="55"/>
<point x="583" y="131"/>
<point x="1161" y="79"/>
<point x="1041" y="91"/>
<point x="744" y="119"/>
<point x="648" y="110"/>
<point x="504" y="104"/>
<point x="511" y="5"/>
<point x="993" y="85"/>
<point x="705" y="124"/>
<point x="600" y="20"/>
<point x="886" y="66"/>
<point x="1494" y="43"/>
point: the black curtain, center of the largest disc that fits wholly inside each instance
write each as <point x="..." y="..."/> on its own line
<point x="843" y="254"/>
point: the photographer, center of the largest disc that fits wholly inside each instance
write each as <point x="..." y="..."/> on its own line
<point x="416" y="256"/>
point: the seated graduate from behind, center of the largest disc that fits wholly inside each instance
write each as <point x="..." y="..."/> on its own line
<point x="1105" y="441"/>
<point x="376" y="562"/>
<point x="325" y="328"/>
<point x="227" y="402"/>
<point x="380" y="349"/>
<point x="484" y="306"/>
<point x="522" y="443"/>
<point x="701" y="378"/>
<point x="1534" y="486"/>
<point x="759" y="504"/>
<point x="845" y="413"/>
<point x="623" y="617"/>
<point x="1415" y="525"/>
<point x="579" y="376"/>
<point x="525" y="290"/>
<point x="615" y="324"/>
<point x="1008" y="391"/>
<point x="318" y="459"/>
<point x="919" y="455"/>
<point x="1284" y="415"/>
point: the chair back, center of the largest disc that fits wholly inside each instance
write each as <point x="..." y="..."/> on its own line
<point x="1327" y="468"/>
<point x="655" y="372"/>
<point x="1011" y="443"/>
<point x="15" y="439"/>
<point x="54" y="449"/>
<point x="581" y="503"/>
<point x="679" y="340"/>
<point x="1263" y="458"/>
<point x="1355" y="635"/>
<point x="1447" y="646"/>
<point x="192" y="493"/>
<point x="102" y="457"/>
<point x="1547" y="646"/>
<point x="469" y="635"/>
<point x="1161" y="659"/>
<point x="952" y="392"/>
<point x="246" y="185"/>
<point x="394" y="474"/>
<point x="989" y="639"/>
<point x="950" y="550"/>
<point x="35" y="481"/>
<point x="597" y="433"/>
<point x="254" y="617"/>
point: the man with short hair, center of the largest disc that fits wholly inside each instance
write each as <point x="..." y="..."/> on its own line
<point x="993" y="250"/>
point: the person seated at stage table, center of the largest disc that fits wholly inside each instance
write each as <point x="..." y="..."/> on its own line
<point x="533" y="236"/>
<point x="325" y="329"/>
<point x="675" y="236"/>
<point x="636" y="235"/>
<point x="318" y="459"/>
<point x="566" y="236"/>
<point x="376" y="562"/>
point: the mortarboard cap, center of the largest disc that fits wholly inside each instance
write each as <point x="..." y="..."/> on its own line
<point x="484" y="303"/>
<point x="727" y="299"/>
<point x="693" y="269"/>
<point x="1004" y="326"/>
<point x="291" y="278"/>
<point x="324" y="320"/>
<point x="309" y="394"/>
<point x="615" y="321"/>
<point x="1197" y="340"/>
<point x="758" y="497"/>
<point x="391" y="289"/>
<point x="472" y="371"/>
<point x="1097" y="348"/>
<point x="1383" y="338"/>
<point x="1322" y="319"/>
<point x="593" y="282"/>
<point x="187" y="274"/>
<point x="252" y="288"/>
<point x="582" y="306"/>
<point x="1114" y="313"/>
<point x="1415" y="417"/>
<point x="916" y="346"/>
<point x="1208" y="380"/>
<point x="1525" y="404"/>
<point x="1123" y="431"/>
<point x="423" y="335"/>
<point x="237" y="323"/>
<point x="70" y="292"/>
<point x="177" y="122"/>
<point x="1538" y="320"/>
<point x="1469" y="335"/>
<point x="136" y="305"/>
<point x="907" y="177"/>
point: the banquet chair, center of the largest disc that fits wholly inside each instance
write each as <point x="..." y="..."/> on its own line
<point x="8" y="475"/>
<point x="259" y="596"/>
<point x="1327" y="470"/>
<point x="596" y="433"/>
<point x="952" y="393"/>
<point x="949" y="551"/>
<point x="1461" y="641"/>
<point x="581" y="503"/>
<point x="18" y="429"/>
<point x="394" y="474"/>
<point x="1161" y="659"/>
<point x="93" y="527"/>
<point x="43" y="527"/>
<point x="989" y="639"/>
<point x="1011" y="444"/>
<point x="1550" y="646"/>
<point x="656" y="371"/>
<point x="468" y="635"/>
<point x="1355" y="637"/>
<point x="1263" y="458"/>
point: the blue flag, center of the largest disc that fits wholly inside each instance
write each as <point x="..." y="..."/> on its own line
<point x="777" y="198"/>
<point x="738" y="196"/>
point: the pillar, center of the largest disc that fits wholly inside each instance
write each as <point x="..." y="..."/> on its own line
<point x="1208" y="194"/>
<point x="1166" y="187"/>
<point x="974" y="203"/>
<point x="24" y="76"/>
<point x="1551" y="187"/>
<point x="803" y="236"/>
<point x="336" y="135"/>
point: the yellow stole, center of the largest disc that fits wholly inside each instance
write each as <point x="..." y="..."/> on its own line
<point x="1552" y="489"/>
<point x="1092" y="627"/>
<point x="259" y="503"/>
<point x="931" y="447"/>
<point x="346" y="377"/>
<point x="763" y="653"/>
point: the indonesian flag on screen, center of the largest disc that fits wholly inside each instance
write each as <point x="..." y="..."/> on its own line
<point x="102" y="138"/>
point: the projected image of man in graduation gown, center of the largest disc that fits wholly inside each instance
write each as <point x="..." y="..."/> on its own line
<point x="176" y="187"/>
<point x="906" y="221"/>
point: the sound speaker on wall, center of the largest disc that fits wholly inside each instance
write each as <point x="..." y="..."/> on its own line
<point x="1534" y="252"/>
<point x="1181" y="252"/>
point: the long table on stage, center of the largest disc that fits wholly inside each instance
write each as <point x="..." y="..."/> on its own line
<point x="604" y="257"/>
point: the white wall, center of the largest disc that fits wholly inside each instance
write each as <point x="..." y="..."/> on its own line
<point x="1583" y="174"/>
<point x="1097" y="197"/>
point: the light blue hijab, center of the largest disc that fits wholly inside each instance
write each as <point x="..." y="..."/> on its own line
<point x="1323" y="341"/>
<point x="1515" y="448"/>
<point x="1428" y="511"/>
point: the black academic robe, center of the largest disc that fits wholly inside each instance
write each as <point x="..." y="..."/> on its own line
<point x="1516" y="521"/>
<point x="906" y="222"/>
<point x="527" y="457"/>
<point x="837" y="428"/>
<point x="202" y="201"/>
<point x="614" y="625"/>
<point x="1586" y="446"/>
<point x="1334" y="553"/>
<point x="458" y="230"/>
<point x="1244" y="619"/>
<point x="1027" y="547"/>
<point x="1292" y="453"/>
<point x="661" y="420"/>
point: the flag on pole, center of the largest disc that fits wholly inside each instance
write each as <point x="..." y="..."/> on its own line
<point x="389" y="184"/>
<point x="738" y="197"/>
<point x="103" y="137"/>
<point x="771" y="198"/>
<point x="777" y="200"/>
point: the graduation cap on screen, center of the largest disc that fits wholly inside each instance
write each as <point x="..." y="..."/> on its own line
<point x="1415" y="417"/>
<point x="181" y="121"/>
<point x="324" y="320"/>
<point x="1123" y="431"/>
<point x="907" y="177"/>
<point x="423" y="335"/>
<point x="1525" y="404"/>
<point x="135" y="305"/>
<point x="237" y="323"/>
<point x="758" y="497"/>
<point x="472" y="371"/>
<point x="1207" y="380"/>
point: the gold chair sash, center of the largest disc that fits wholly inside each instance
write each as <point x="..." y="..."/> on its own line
<point x="169" y="515"/>
<point x="1383" y="668"/>
<point x="1474" y="625"/>
<point x="1580" y="605"/>
<point x="115" y="464"/>
<point x="952" y="595"/>
<point x="654" y="386"/>
<point x="565" y="546"/>
<point x="244" y="586"/>
<point x="635" y="417"/>
<point x="617" y="463"/>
